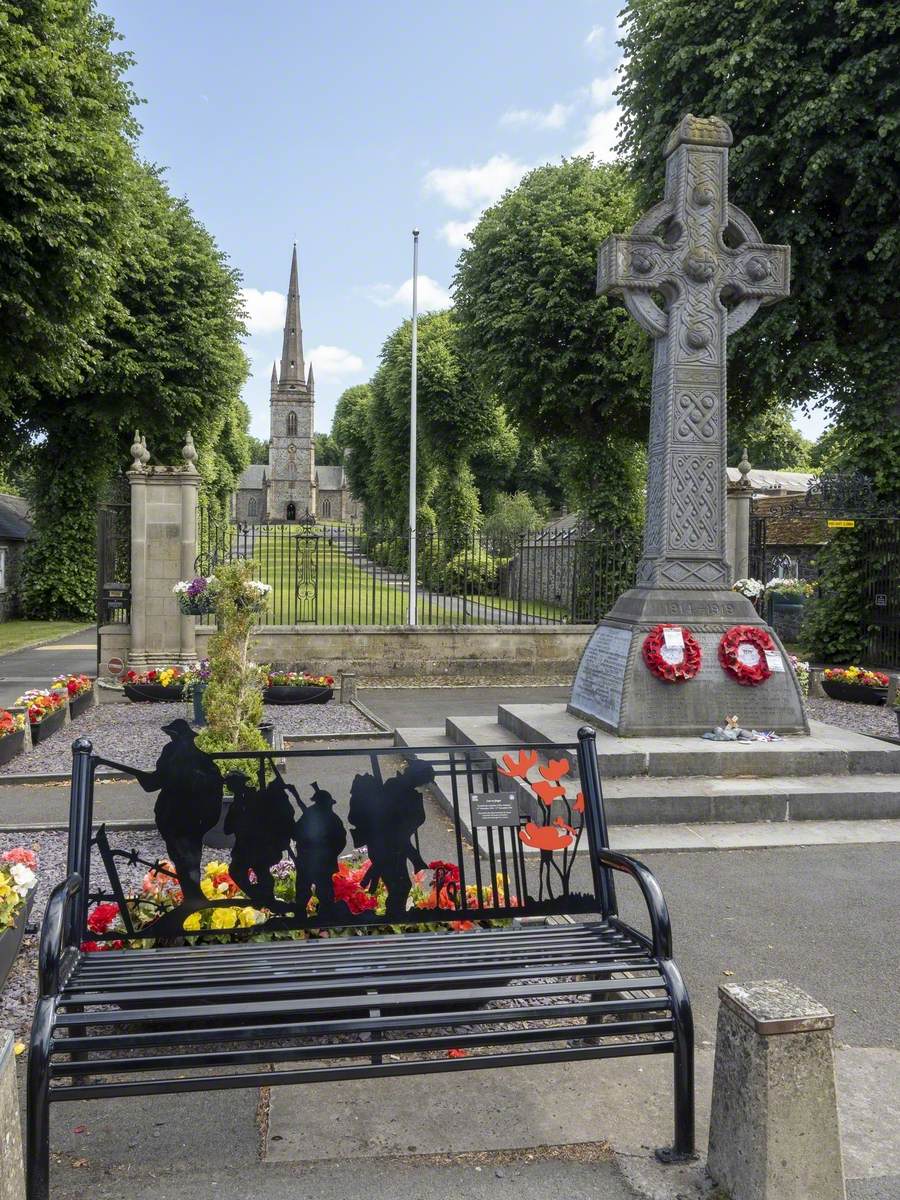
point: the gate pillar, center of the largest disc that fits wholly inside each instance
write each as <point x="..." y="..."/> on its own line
<point x="163" y="550"/>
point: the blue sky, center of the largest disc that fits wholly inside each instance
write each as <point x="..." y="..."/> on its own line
<point x="344" y="123"/>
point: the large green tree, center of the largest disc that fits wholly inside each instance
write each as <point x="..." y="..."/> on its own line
<point x="571" y="366"/>
<point x="771" y="441"/>
<point x="352" y="432"/>
<point x="66" y="129"/>
<point x="812" y="93"/>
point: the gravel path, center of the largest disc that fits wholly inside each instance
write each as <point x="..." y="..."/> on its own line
<point x="132" y="733"/>
<point x="861" y="718"/>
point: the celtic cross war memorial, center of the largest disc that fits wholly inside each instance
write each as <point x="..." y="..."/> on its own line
<point x="675" y="653"/>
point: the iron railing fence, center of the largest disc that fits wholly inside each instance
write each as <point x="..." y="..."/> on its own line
<point x="331" y="574"/>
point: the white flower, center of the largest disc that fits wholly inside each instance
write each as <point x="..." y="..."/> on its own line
<point x="23" y="877"/>
<point x="181" y="586"/>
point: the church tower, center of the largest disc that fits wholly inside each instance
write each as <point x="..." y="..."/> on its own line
<point x="291" y="490"/>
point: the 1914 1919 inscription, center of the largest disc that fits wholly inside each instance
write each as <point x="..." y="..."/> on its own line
<point x="601" y="674"/>
<point x="494" y="808"/>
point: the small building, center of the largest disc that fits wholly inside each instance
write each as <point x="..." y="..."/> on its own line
<point x="15" y="529"/>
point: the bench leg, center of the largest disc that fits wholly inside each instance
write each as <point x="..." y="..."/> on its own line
<point x="682" y="1149"/>
<point x="37" y="1149"/>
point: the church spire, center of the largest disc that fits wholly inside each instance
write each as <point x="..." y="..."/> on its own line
<point x="310" y="382"/>
<point x="292" y="348"/>
<point x="274" y="379"/>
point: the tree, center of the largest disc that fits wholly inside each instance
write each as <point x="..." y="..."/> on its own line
<point x="352" y="432"/>
<point x="572" y="367"/>
<point x="167" y="359"/>
<point x="771" y="441"/>
<point x="328" y="452"/>
<point x="511" y="517"/>
<point x="812" y="93"/>
<point x="66" y="128"/>
<point x="258" y="449"/>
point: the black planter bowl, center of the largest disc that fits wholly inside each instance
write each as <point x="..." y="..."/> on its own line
<point x="153" y="691"/>
<point x="11" y="745"/>
<point x="42" y="730"/>
<point x="11" y="938"/>
<point x="297" y="695"/>
<point x="855" y="693"/>
<point x="80" y="704"/>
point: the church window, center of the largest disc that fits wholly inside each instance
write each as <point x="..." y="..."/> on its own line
<point x="326" y="508"/>
<point x="292" y="424"/>
<point x="251" y="507"/>
<point x="291" y="511"/>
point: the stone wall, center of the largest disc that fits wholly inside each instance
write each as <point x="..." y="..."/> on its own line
<point x="479" y="652"/>
<point x="9" y="596"/>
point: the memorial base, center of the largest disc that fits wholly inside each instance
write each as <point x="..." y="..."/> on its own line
<point x="616" y="691"/>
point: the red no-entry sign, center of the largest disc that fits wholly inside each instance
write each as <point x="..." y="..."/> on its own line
<point x="115" y="666"/>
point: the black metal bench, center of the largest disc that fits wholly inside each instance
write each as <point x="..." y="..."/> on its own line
<point x="546" y="973"/>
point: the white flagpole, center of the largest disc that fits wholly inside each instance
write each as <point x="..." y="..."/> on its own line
<point x="412" y="431"/>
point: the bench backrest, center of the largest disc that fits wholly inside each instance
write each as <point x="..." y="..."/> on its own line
<point x="348" y="847"/>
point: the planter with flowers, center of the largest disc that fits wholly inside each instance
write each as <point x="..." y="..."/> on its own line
<point x="196" y="678"/>
<point x="801" y="670"/>
<point x="855" y="684"/>
<point x="12" y="735"/>
<point x="161" y="683"/>
<point x="17" y="885"/>
<point x="297" y="687"/>
<point x="785" y="599"/>
<point x="753" y="589"/>
<point x="197" y="596"/>
<point x="79" y="689"/>
<point x="46" y="712"/>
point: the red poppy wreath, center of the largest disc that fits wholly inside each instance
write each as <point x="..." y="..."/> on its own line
<point x="742" y="653"/>
<point x="664" y="661"/>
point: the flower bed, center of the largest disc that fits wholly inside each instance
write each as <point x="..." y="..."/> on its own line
<point x="297" y="687"/>
<point x="163" y="683"/>
<point x="79" y="689"/>
<point x="17" y="884"/>
<point x="12" y="735"/>
<point x="855" y="684"/>
<point x="46" y="711"/>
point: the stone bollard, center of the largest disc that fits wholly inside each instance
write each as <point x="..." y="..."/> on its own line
<point x="348" y="687"/>
<point x="774" y="1126"/>
<point x="12" y="1174"/>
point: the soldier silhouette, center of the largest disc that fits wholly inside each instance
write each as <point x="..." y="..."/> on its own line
<point x="189" y="801"/>
<point x="386" y="818"/>
<point x="320" y="837"/>
<point x="262" y="824"/>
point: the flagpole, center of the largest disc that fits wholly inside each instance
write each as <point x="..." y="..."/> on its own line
<point x="412" y="430"/>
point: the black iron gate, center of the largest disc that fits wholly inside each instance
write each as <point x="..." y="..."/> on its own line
<point x="113" y="557"/>
<point x="881" y="558"/>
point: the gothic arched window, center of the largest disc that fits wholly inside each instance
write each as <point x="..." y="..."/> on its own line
<point x="251" y="507"/>
<point x="291" y="512"/>
<point x="326" y="508"/>
<point x="292" y="424"/>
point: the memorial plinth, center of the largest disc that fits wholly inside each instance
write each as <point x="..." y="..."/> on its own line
<point x="707" y="260"/>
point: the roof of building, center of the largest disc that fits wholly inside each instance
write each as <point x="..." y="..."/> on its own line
<point x="15" y="524"/>
<point x="252" y="478"/>
<point x="787" y="482"/>
<point x="329" y="479"/>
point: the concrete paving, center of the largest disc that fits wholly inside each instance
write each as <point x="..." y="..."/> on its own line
<point x="76" y="653"/>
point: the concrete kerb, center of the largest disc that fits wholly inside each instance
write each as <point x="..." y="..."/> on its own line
<point x="12" y="1175"/>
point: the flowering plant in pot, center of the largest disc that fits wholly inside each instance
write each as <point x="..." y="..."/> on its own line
<point x="159" y="683"/>
<point x="856" y="684"/>
<point x="78" y="688"/>
<point x="12" y="735"/>
<point x="790" y="589"/>
<point x="297" y="687"/>
<point x="17" y="884"/>
<point x="196" y="596"/>
<point x="751" y="588"/>
<point x="195" y="679"/>
<point x="45" y="709"/>
<point x="801" y="670"/>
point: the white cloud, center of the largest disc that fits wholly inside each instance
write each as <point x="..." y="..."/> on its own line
<point x="602" y="89"/>
<point x="600" y="136"/>
<point x="333" y="362"/>
<point x="464" y="187"/>
<point x="551" y="118"/>
<point x="431" y="294"/>
<point x="596" y="39"/>
<point x="456" y="233"/>
<point x="265" y="310"/>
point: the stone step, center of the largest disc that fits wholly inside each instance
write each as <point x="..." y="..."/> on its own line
<point x="827" y="750"/>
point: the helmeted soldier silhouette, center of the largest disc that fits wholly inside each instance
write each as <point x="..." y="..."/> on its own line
<point x="262" y="824"/>
<point x="320" y="837"/>
<point x="189" y="801"/>
<point x="385" y="818"/>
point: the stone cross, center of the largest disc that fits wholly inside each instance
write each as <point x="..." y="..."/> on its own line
<point x="707" y="261"/>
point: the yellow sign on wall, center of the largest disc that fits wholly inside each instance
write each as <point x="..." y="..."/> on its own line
<point x="841" y="524"/>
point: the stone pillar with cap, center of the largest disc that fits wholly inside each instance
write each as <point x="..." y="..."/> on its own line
<point x="774" y="1131"/>
<point x="740" y="495"/>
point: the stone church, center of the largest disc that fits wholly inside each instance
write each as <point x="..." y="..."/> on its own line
<point x="291" y="485"/>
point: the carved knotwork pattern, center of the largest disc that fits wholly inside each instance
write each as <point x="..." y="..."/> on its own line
<point x="696" y="414"/>
<point x="693" y="503"/>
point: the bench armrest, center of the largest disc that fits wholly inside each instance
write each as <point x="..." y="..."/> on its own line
<point x="53" y="930"/>
<point x="652" y="892"/>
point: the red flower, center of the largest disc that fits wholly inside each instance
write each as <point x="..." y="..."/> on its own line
<point x="101" y="917"/>
<point x="579" y="803"/>
<point x="455" y="1053"/>
<point x="20" y="855"/>
<point x="519" y="768"/>
<point x="548" y="792"/>
<point x="544" y="837"/>
<point x="555" y="769"/>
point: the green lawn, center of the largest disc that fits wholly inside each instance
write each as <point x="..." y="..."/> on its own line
<point x="17" y="635"/>
<point x="347" y="595"/>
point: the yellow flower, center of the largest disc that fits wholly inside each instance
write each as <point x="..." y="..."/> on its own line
<point x="216" y="868"/>
<point x="192" y="922"/>
<point x="224" y="918"/>
<point x="209" y="889"/>
<point x="249" y="916"/>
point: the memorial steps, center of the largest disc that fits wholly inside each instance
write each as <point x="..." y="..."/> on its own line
<point x="830" y="775"/>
